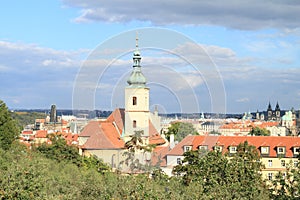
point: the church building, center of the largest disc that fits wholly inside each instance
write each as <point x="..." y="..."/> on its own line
<point x="270" y="114"/>
<point x="107" y="139"/>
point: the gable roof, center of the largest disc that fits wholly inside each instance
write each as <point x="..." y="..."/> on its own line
<point x="90" y="129"/>
<point x="117" y="116"/>
<point x="154" y="136"/>
<point x="103" y="137"/>
<point x="158" y="155"/>
<point x="258" y="141"/>
<point x="105" y="134"/>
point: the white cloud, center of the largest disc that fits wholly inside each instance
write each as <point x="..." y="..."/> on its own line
<point x="233" y="14"/>
<point x="4" y="68"/>
<point x="242" y="100"/>
<point x="38" y="76"/>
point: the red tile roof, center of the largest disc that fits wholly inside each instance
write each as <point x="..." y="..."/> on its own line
<point x="27" y="132"/>
<point x="41" y="134"/>
<point x="105" y="134"/>
<point x="90" y="129"/>
<point x="272" y="141"/>
<point x="104" y="139"/>
<point x="158" y="155"/>
<point x="154" y="136"/>
<point x="118" y="116"/>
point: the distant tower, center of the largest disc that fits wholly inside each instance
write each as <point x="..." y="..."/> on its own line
<point x="137" y="113"/>
<point x="293" y="113"/>
<point x="53" y="114"/>
<point x="277" y="112"/>
<point x="257" y="115"/>
<point x="262" y="117"/>
<point x="269" y="112"/>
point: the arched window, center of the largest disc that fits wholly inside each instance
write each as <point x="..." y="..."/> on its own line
<point x="134" y="100"/>
<point x="134" y="124"/>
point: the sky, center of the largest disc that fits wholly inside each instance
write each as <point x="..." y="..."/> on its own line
<point x="198" y="56"/>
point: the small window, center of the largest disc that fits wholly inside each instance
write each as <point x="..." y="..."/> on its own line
<point x="295" y="163"/>
<point x="282" y="163"/>
<point x="187" y="148"/>
<point x="270" y="176"/>
<point x="202" y="148"/>
<point x="284" y="175"/>
<point x="270" y="163"/>
<point x="218" y="148"/>
<point x="134" y="124"/>
<point x="232" y="149"/>
<point x="134" y="101"/>
<point x="280" y="150"/>
<point x="296" y="150"/>
<point x="264" y="150"/>
<point x="178" y="161"/>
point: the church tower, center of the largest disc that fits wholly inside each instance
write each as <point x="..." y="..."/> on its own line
<point x="269" y="112"/>
<point x="277" y="112"/>
<point x="137" y="113"/>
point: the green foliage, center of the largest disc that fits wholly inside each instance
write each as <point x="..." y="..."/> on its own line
<point x="224" y="178"/>
<point x="136" y="150"/>
<point x="8" y="129"/>
<point x="60" y="151"/>
<point x="181" y="130"/>
<point x="286" y="185"/>
<point x="259" y="131"/>
<point x="215" y="133"/>
<point x="27" y="174"/>
<point x="25" y="118"/>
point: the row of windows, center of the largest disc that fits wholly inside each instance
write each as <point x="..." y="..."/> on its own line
<point x="282" y="163"/>
<point x="270" y="176"/>
<point x="264" y="150"/>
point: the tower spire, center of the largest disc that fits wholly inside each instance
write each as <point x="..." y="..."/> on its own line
<point x="136" y="40"/>
<point x="136" y="78"/>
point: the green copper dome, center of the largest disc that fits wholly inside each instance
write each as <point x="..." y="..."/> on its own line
<point x="137" y="78"/>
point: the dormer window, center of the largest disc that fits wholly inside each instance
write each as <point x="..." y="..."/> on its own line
<point x="187" y="148"/>
<point x="232" y="149"/>
<point x="203" y="148"/>
<point x="296" y="151"/>
<point x="218" y="148"/>
<point x="264" y="150"/>
<point x="280" y="151"/>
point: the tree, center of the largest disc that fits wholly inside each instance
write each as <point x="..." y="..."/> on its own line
<point x="60" y="151"/>
<point x="259" y="131"/>
<point x="136" y="151"/>
<point x="8" y="129"/>
<point x="286" y="184"/>
<point x="221" y="177"/>
<point x="180" y="130"/>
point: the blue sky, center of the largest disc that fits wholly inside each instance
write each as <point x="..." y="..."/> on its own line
<point x="255" y="46"/>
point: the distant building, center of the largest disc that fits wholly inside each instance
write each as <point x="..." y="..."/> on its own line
<point x="275" y="152"/>
<point x="270" y="114"/>
<point x="53" y="114"/>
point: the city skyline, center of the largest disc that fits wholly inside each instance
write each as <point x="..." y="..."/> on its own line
<point x="255" y="47"/>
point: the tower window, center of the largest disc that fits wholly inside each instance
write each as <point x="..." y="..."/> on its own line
<point x="134" y="100"/>
<point x="134" y="124"/>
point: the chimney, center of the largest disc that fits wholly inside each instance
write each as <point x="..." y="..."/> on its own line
<point x="172" y="143"/>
